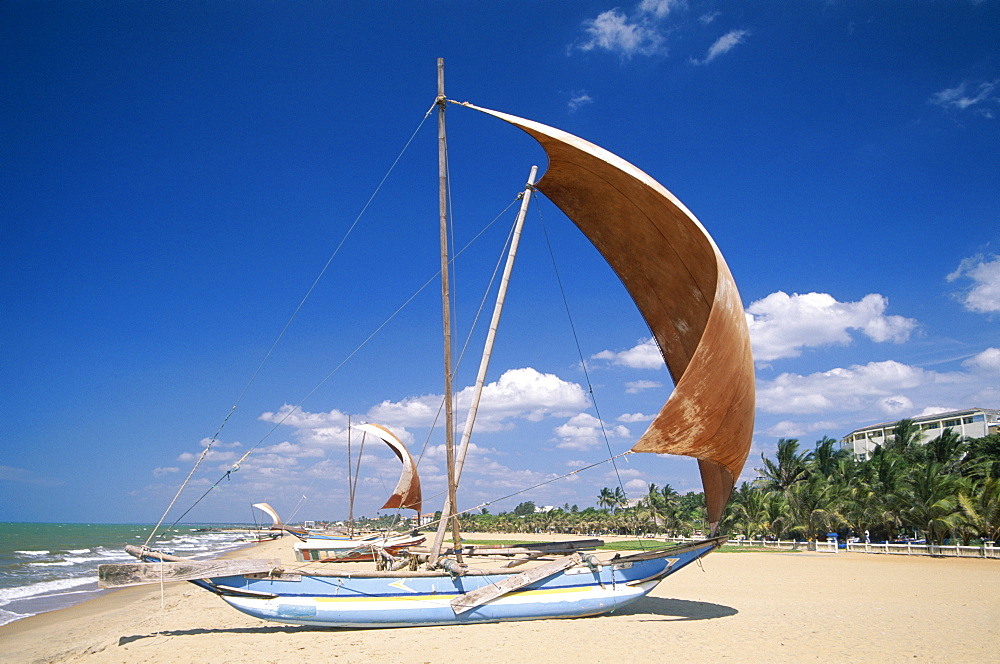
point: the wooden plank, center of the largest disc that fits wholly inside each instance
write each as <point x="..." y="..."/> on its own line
<point x="520" y="549"/>
<point x="134" y="574"/>
<point x="568" y="544"/>
<point x="480" y="596"/>
<point x="531" y="556"/>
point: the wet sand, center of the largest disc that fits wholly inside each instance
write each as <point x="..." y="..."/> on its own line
<point x="736" y="607"/>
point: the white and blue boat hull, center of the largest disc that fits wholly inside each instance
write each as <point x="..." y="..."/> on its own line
<point x="382" y="600"/>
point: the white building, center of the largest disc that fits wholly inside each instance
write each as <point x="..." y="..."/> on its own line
<point x="970" y="423"/>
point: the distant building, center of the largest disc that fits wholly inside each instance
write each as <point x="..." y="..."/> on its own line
<point x="426" y="518"/>
<point x="970" y="423"/>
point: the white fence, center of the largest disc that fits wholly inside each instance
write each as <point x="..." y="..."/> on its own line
<point x="769" y="545"/>
<point x="988" y="550"/>
<point x="955" y="551"/>
<point x="785" y="545"/>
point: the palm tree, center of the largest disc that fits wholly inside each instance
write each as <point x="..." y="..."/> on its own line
<point x="812" y="506"/>
<point x="777" y="513"/>
<point x="789" y="467"/>
<point x="980" y="504"/>
<point x="985" y="451"/>
<point x="861" y="509"/>
<point x="668" y="508"/>
<point x="932" y="503"/>
<point x="621" y="500"/>
<point x="825" y="459"/>
<point x="947" y="449"/>
<point x="905" y="435"/>
<point x="606" y="498"/>
<point x="749" y="511"/>
<point x="658" y="507"/>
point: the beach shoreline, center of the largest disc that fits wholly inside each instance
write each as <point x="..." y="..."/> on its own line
<point x="50" y="566"/>
<point x="736" y="607"/>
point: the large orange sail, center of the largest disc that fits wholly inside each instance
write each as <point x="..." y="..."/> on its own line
<point x="682" y="286"/>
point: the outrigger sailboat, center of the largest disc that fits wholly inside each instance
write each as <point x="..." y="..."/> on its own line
<point x="406" y="495"/>
<point x="684" y="290"/>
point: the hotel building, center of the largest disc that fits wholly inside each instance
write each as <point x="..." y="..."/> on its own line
<point x="969" y="423"/>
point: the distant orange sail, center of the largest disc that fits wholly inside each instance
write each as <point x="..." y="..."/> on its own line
<point x="407" y="494"/>
<point x="682" y="286"/>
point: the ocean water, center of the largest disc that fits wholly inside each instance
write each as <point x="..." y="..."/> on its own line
<point x="47" y="566"/>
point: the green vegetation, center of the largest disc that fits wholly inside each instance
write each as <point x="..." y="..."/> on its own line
<point x="945" y="489"/>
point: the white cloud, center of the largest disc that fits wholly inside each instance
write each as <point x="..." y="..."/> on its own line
<point x="967" y="95"/>
<point x="519" y="393"/>
<point x="300" y="419"/>
<point x="705" y="19"/>
<point x="636" y="487"/>
<point x="644" y="355"/>
<point x="160" y="472"/>
<point x="723" y="45"/>
<point x="635" y="417"/>
<point x="781" y="325"/>
<point x="987" y="362"/>
<point x="493" y="476"/>
<point x="936" y="410"/>
<point x="896" y="405"/>
<point x="211" y="455"/>
<point x="984" y="294"/>
<point x="874" y="392"/>
<point x="584" y="431"/>
<point x="636" y="386"/>
<point x="855" y="388"/>
<point x="659" y="8"/>
<point x="291" y="449"/>
<point x="615" y="32"/>
<point x="580" y="99"/>
<point x="789" y="429"/>
<point x="206" y="442"/>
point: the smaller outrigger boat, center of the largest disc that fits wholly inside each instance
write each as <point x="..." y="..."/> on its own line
<point x="315" y="546"/>
<point x="374" y="547"/>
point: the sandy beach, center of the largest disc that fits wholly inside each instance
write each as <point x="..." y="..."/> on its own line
<point x="736" y="607"/>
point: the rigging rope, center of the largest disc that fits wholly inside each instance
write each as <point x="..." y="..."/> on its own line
<point x="270" y="351"/>
<point x="236" y="466"/>
<point x="579" y="350"/>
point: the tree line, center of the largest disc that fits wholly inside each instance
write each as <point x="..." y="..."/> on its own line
<point x="945" y="489"/>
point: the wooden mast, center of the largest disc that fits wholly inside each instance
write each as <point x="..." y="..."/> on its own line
<point x="350" y="483"/>
<point x="484" y="363"/>
<point x="449" y="415"/>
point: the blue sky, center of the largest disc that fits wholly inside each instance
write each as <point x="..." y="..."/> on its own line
<point x="176" y="175"/>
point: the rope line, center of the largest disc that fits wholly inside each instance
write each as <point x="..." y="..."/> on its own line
<point x="345" y="360"/>
<point x="579" y="349"/>
<point x="284" y="329"/>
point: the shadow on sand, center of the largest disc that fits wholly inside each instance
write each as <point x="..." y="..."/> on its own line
<point x="265" y="629"/>
<point x="677" y="609"/>
<point x="654" y="607"/>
